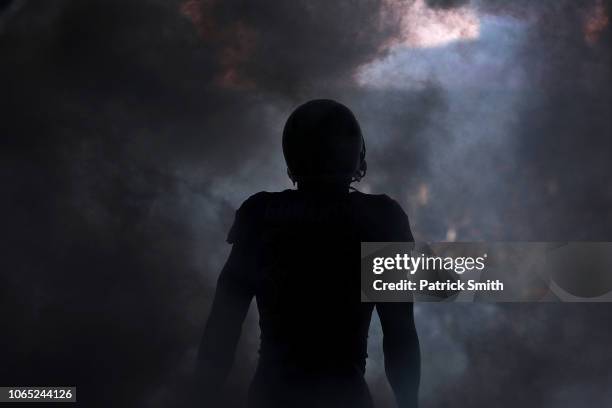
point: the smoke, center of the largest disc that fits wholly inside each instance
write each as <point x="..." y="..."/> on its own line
<point x="132" y="130"/>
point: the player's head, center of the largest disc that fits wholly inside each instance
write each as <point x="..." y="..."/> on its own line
<point x="322" y="142"/>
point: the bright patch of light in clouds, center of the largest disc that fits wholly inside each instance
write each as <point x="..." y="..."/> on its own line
<point x="425" y="27"/>
<point x="489" y="59"/>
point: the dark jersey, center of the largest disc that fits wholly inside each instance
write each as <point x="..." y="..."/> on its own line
<point x="300" y="259"/>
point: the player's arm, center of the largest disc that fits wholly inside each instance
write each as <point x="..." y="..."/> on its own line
<point x="402" y="353"/>
<point x="222" y="331"/>
<point x="400" y="340"/>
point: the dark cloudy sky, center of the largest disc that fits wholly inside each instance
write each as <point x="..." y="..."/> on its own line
<point x="132" y="130"/>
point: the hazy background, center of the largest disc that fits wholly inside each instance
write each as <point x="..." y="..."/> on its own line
<point x="132" y="130"/>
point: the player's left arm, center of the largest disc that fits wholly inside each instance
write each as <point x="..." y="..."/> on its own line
<point x="222" y="331"/>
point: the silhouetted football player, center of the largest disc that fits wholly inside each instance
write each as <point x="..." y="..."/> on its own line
<point x="298" y="253"/>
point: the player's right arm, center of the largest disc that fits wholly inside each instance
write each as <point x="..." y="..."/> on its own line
<point x="402" y="352"/>
<point x="400" y="339"/>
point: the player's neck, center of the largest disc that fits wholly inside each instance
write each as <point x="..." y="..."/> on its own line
<point x="323" y="187"/>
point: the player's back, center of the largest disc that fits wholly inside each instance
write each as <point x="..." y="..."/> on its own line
<point x="306" y="278"/>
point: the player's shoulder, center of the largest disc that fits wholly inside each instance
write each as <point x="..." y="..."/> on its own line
<point x="379" y="202"/>
<point x="259" y="204"/>
<point x="257" y="199"/>
<point x="263" y="198"/>
<point x="383" y="217"/>
<point x="249" y="216"/>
